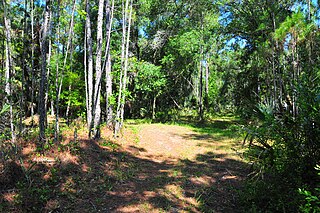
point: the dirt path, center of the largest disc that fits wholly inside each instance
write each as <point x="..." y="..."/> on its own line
<point x="153" y="168"/>
<point x="182" y="170"/>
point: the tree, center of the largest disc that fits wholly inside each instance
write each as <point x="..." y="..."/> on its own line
<point x="148" y="86"/>
<point x="107" y="63"/>
<point x="89" y="68"/>
<point x="60" y="76"/>
<point x="43" y="80"/>
<point x="8" y="72"/>
<point x="126" y="26"/>
<point x="97" y="90"/>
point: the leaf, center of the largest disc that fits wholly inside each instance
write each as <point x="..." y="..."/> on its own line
<point x="5" y="108"/>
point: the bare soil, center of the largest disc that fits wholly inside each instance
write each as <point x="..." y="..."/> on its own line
<point x="152" y="168"/>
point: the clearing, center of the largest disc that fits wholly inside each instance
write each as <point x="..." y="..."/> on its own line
<point x="153" y="168"/>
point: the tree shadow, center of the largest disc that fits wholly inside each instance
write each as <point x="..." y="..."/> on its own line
<point x="85" y="176"/>
<point x="219" y="179"/>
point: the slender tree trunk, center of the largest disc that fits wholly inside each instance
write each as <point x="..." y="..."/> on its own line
<point x="201" y="75"/>
<point x="32" y="62"/>
<point x="124" y="27"/>
<point x="24" y="70"/>
<point x="70" y="86"/>
<point x="97" y="90"/>
<point x="68" y="105"/>
<point x="201" y="89"/>
<point x="124" y="65"/>
<point x="49" y="54"/>
<point x="154" y="107"/>
<point x="56" y="126"/>
<point x="109" y="111"/>
<point x="43" y="80"/>
<point x="107" y="64"/>
<point x="207" y="78"/>
<point x="48" y="74"/>
<point x="89" y="68"/>
<point x="86" y="71"/>
<point x="52" y="107"/>
<point x="69" y="41"/>
<point x="2" y="58"/>
<point x="8" y="66"/>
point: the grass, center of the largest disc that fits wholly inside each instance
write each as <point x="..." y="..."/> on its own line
<point x="135" y="127"/>
<point x="108" y="143"/>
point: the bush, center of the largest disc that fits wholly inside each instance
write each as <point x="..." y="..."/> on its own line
<point x="284" y="148"/>
<point x="312" y="199"/>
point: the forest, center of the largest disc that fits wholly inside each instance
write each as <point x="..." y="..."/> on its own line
<point x="160" y="106"/>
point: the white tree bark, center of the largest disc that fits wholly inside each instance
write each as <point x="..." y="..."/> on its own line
<point x="8" y="68"/>
<point x="126" y="66"/>
<point x="107" y="64"/>
<point x="97" y="89"/>
<point x="89" y="68"/>
<point x="127" y="17"/>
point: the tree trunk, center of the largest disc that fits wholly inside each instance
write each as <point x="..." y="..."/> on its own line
<point x="124" y="65"/>
<point x="207" y="78"/>
<point x="201" y="76"/>
<point x="68" y="104"/>
<point x="89" y="68"/>
<point x="48" y="74"/>
<point x="86" y="72"/>
<point x="201" y="90"/>
<point x="124" y="25"/>
<point x="97" y="90"/>
<point x="154" y="107"/>
<point x="107" y="64"/>
<point x="23" y="110"/>
<point x="32" y="61"/>
<point x="56" y="126"/>
<point x="43" y="80"/>
<point x="109" y="111"/>
<point x="8" y="72"/>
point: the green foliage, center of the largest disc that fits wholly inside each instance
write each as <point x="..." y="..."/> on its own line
<point x="149" y="83"/>
<point x="214" y="88"/>
<point x="5" y="131"/>
<point x="110" y="144"/>
<point x="188" y="43"/>
<point x="295" y="25"/>
<point x="284" y="149"/>
<point x="149" y="79"/>
<point x="312" y="199"/>
<point x="34" y="197"/>
<point x="5" y="109"/>
<point x="283" y="135"/>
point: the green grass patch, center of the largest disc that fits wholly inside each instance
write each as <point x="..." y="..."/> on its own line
<point x="109" y="144"/>
<point x="218" y="128"/>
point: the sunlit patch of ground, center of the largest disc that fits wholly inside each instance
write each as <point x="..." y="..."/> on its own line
<point x="191" y="162"/>
<point x="152" y="168"/>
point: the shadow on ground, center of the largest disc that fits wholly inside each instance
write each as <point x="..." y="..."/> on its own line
<point x="94" y="176"/>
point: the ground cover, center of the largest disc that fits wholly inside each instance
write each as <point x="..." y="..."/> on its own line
<point x="153" y="167"/>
